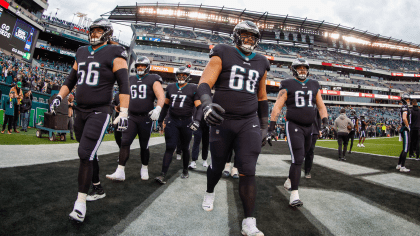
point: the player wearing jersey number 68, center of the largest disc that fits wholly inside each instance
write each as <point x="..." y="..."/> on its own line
<point x="145" y="88"/>
<point x="300" y="95"/>
<point x="238" y="114"/>
<point x="95" y="71"/>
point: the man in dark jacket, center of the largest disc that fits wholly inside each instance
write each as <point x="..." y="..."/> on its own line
<point x="25" y="109"/>
<point x="342" y="124"/>
<point x="415" y="127"/>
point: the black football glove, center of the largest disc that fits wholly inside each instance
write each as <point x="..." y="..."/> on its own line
<point x="194" y="125"/>
<point x="264" y="137"/>
<point x="212" y="114"/>
<point x="55" y="103"/>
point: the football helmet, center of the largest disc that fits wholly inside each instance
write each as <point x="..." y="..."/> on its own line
<point x="353" y="112"/>
<point x="300" y="62"/>
<point x="106" y="26"/>
<point x="142" y="60"/>
<point x="404" y="98"/>
<point x="182" y="70"/>
<point x="246" y="26"/>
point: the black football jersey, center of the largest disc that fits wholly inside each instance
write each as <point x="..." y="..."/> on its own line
<point x="362" y="124"/>
<point x="95" y="77"/>
<point x="301" y="100"/>
<point x="237" y="86"/>
<point x="142" y="96"/>
<point x="181" y="100"/>
<point x="405" y="108"/>
<point x="354" y="120"/>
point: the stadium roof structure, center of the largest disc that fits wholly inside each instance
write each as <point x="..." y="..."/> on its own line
<point x="223" y="20"/>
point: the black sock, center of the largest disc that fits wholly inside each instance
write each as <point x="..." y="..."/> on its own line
<point x="294" y="175"/>
<point x="145" y="156"/>
<point x="212" y="179"/>
<point x="85" y="175"/>
<point x="95" y="167"/>
<point x="167" y="159"/>
<point x="185" y="158"/>
<point x="248" y="193"/>
<point x="124" y="155"/>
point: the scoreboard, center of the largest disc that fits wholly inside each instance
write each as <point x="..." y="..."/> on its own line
<point x="16" y="35"/>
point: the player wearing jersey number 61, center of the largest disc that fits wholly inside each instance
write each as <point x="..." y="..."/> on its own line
<point x="238" y="114"/>
<point x="300" y="95"/>
<point x="145" y="88"/>
<point x="95" y="71"/>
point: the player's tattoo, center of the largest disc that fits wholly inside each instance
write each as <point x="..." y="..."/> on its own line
<point x="281" y="93"/>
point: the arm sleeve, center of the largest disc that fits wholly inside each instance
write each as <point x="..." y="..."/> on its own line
<point x="122" y="79"/>
<point x="263" y="113"/>
<point x="167" y="93"/>
<point x="198" y="113"/>
<point x="159" y="79"/>
<point x="163" y="113"/>
<point x="71" y="80"/>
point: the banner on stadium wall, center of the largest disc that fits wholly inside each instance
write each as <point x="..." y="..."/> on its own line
<point x="405" y="75"/>
<point x="342" y="66"/>
<point x="273" y="83"/>
<point x="4" y="4"/>
<point x="162" y="69"/>
<point x="353" y="94"/>
<point x="196" y="72"/>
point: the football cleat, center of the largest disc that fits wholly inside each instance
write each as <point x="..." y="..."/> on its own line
<point x="249" y="227"/>
<point x="349" y="152"/>
<point x="288" y="185"/>
<point x="144" y="173"/>
<point x="185" y="174"/>
<point x="208" y="200"/>
<point x="226" y="173"/>
<point x="118" y="175"/>
<point x="417" y="159"/>
<point x="205" y="164"/>
<point x="192" y="166"/>
<point x="361" y="145"/>
<point x="161" y="179"/>
<point x="96" y="193"/>
<point x="398" y="167"/>
<point x="403" y="169"/>
<point x="294" y="199"/>
<point x="178" y="157"/>
<point x="308" y="176"/>
<point x="358" y="145"/>
<point x="79" y="212"/>
<point x="235" y="173"/>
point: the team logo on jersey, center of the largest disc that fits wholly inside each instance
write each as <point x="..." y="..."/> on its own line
<point x="246" y="63"/>
<point x="124" y="53"/>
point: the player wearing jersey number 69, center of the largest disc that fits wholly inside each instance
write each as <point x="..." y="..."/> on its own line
<point x="300" y="95"/>
<point x="238" y="114"/>
<point x="145" y="88"/>
<point x="95" y="71"/>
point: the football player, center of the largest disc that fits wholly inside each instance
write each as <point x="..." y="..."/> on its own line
<point x="352" y="133"/>
<point x="95" y="71"/>
<point x="201" y="133"/>
<point x="238" y="76"/>
<point x="300" y="95"/>
<point x="145" y="88"/>
<point x="181" y="97"/>
<point x="363" y="126"/>
<point x="405" y="131"/>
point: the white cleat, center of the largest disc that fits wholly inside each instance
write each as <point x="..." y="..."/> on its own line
<point x="294" y="199"/>
<point x="192" y="166"/>
<point x="361" y="145"/>
<point x="208" y="201"/>
<point x="358" y="145"/>
<point x="178" y="157"/>
<point x="249" y="227"/>
<point x="288" y="185"/>
<point x="79" y="212"/>
<point x="398" y="167"/>
<point x="205" y="164"/>
<point x="118" y="175"/>
<point x="144" y="173"/>
<point x="403" y="169"/>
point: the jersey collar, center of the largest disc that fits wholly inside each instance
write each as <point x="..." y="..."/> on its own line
<point x="304" y="82"/>
<point x="247" y="58"/>
<point x="91" y="49"/>
<point x="179" y="88"/>
<point x="139" y="78"/>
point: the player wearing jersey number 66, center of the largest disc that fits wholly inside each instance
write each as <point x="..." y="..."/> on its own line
<point x="300" y="95"/>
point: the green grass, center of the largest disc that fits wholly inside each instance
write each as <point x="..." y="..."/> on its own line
<point x="381" y="146"/>
<point x="29" y="138"/>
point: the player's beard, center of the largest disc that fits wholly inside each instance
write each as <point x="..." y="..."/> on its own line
<point x="95" y="41"/>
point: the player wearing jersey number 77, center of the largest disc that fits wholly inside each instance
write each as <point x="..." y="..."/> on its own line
<point x="300" y="95"/>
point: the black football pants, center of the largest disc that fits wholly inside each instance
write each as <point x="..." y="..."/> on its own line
<point x="343" y="140"/>
<point x="414" y="142"/>
<point x="309" y="158"/>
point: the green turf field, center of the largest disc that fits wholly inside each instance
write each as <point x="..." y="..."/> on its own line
<point x="30" y="138"/>
<point x="381" y="146"/>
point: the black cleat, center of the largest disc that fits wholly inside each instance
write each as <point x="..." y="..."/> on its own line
<point x="161" y="179"/>
<point x="343" y="158"/>
<point x="96" y="193"/>
<point x="296" y="203"/>
<point x="349" y="152"/>
<point x="185" y="174"/>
